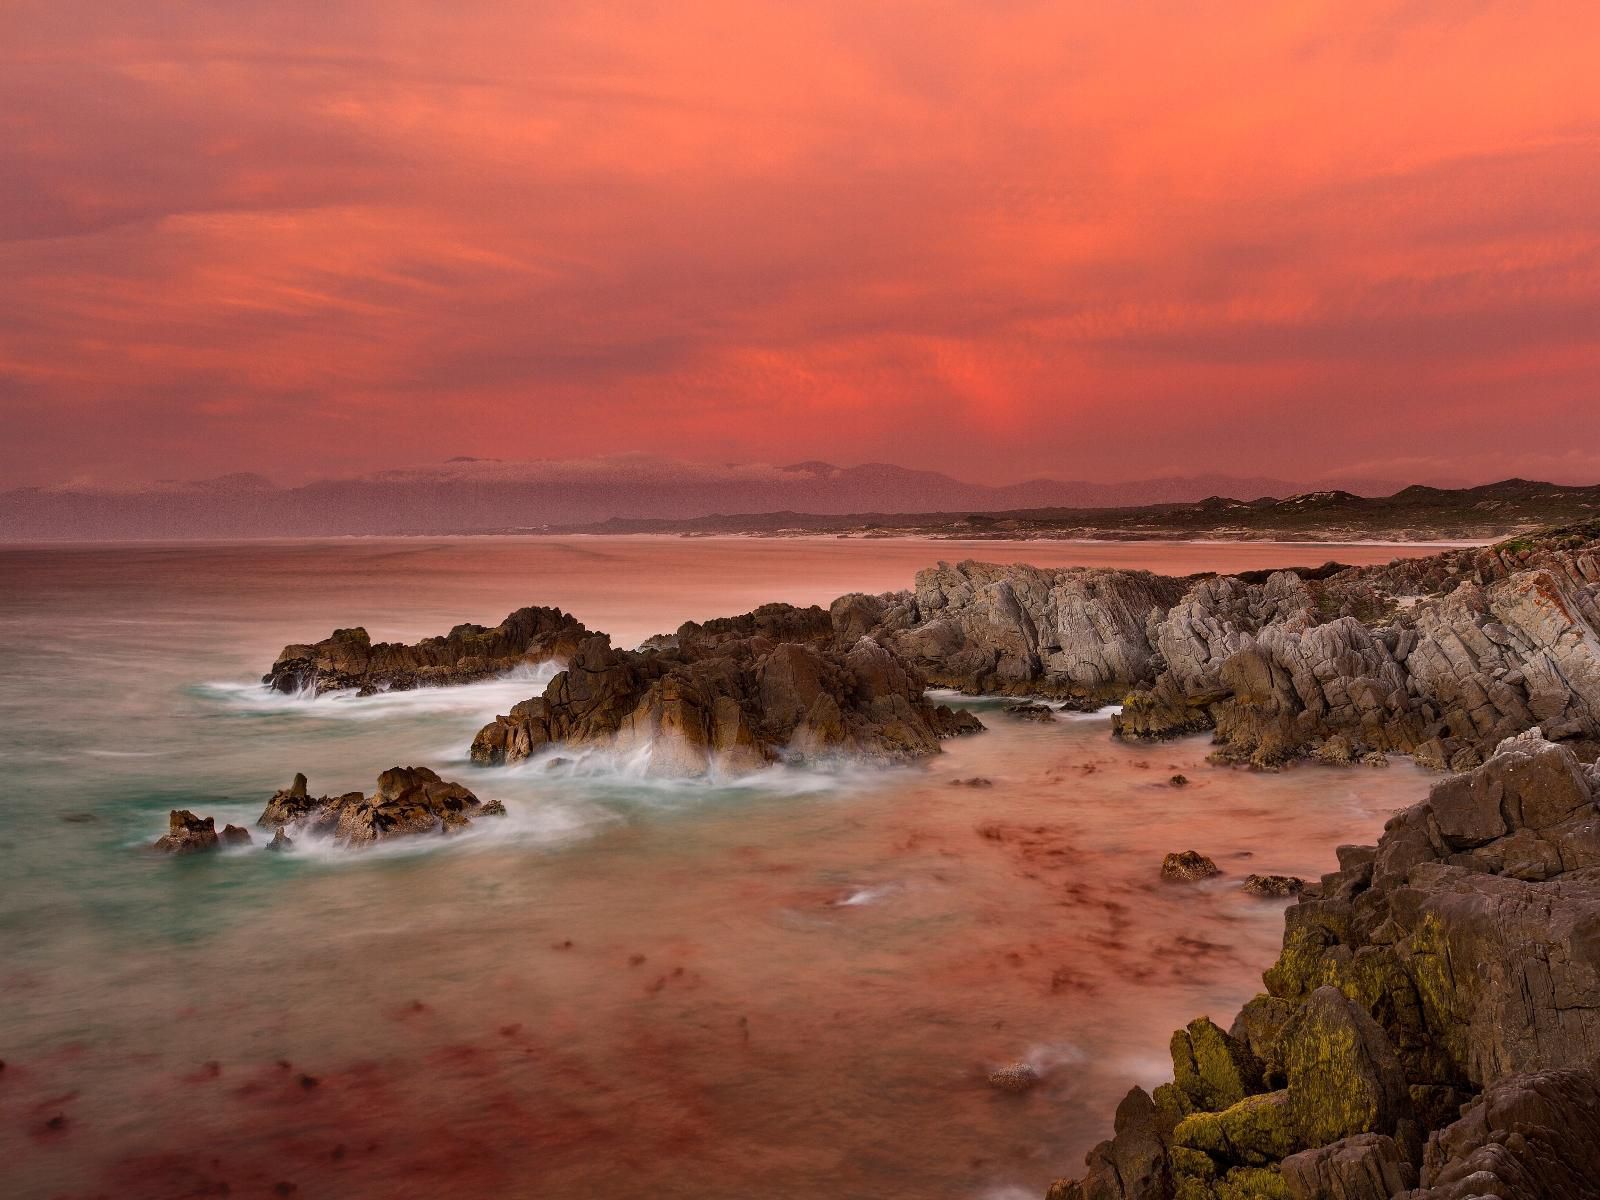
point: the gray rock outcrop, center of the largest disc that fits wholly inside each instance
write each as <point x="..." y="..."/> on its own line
<point x="1440" y="657"/>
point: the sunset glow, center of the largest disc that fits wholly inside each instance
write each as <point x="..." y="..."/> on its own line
<point x="1001" y="240"/>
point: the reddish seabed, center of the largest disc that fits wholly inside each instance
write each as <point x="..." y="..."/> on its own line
<point x="771" y="995"/>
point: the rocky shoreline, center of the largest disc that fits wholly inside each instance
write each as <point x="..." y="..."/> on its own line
<point x="1430" y="1030"/>
<point x="1431" y="1027"/>
<point x="1439" y="657"/>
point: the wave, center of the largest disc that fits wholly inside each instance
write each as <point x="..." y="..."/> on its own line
<point x="467" y="699"/>
<point x="988" y="700"/>
<point x="565" y="795"/>
<point x="857" y="897"/>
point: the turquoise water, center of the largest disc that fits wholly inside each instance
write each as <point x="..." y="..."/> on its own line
<point x="787" y="985"/>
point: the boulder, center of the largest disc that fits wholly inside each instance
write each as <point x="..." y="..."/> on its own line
<point x="1014" y="1077"/>
<point x="1188" y="866"/>
<point x="187" y="833"/>
<point x="1273" y="887"/>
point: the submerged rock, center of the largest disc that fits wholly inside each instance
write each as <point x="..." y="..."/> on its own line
<point x="232" y="835"/>
<point x="1273" y="886"/>
<point x="1031" y="710"/>
<point x="1457" y="957"/>
<point x="187" y="833"/>
<point x="280" y="840"/>
<point x="1014" y="1077"/>
<point x="1188" y="866"/>
<point x="349" y="659"/>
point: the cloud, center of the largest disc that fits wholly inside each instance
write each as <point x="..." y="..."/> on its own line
<point x="1002" y="239"/>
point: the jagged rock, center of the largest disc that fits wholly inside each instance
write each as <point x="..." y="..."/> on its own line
<point x="1212" y="1068"/>
<point x="1179" y="781"/>
<point x="1533" y="1135"/>
<point x="1014" y="1077"/>
<point x="408" y="800"/>
<point x="726" y="696"/>
<point x="1488" y="643"/>
<point x="1188" y="866"/>
<point x="1272" y="886"/>
<point x="1018" y="630"/>
<point x="187" y="833"/>
<point x="280" y="840"/>
<point x="349" y="659"/>
<point x="1460" y="955"/>
<point x="1369" y="1166"/>
<point x="1133" y="1165"/>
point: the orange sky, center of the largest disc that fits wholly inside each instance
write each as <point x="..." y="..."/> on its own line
<point x="1002" y="239"/>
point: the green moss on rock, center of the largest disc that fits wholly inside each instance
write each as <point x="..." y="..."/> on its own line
<point x="1254" y="1132"/>
<point x="1212" y="1068"/>
<point x="1344" y="1076"/>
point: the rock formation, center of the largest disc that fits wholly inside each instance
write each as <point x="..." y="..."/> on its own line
<point x="733" y="694"/>
<point x="409" y="800"/>
<point x="1188" y="866"/>
<point x="1020" y="630"/>
<point x="1432" y="1023"/>
<point x="348" y="659"/>
<point x="188" y="834"/>
<point x="1439" y="657"/>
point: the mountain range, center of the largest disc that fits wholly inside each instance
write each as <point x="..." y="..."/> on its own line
<point x="467" y="495"/>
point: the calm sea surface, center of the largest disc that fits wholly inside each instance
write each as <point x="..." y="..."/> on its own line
<point x="792" y="986"/>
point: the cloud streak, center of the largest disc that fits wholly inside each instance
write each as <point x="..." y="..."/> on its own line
<point x="1002" y="239"/>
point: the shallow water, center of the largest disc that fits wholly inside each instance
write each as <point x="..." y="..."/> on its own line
<point x="790" y="985"/>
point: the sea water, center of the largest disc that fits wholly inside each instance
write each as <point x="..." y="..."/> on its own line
<point x="789" y="984"/>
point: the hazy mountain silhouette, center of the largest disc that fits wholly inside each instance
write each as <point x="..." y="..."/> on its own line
<point x="467" y="494"/>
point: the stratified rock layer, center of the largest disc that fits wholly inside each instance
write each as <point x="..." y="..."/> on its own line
<point x="349" y="660"/>
<point x="1439" y="657"/>
<point x="732" y="694"/>
<point x="1458" y="958"/>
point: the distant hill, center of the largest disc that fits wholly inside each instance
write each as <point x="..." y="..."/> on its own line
<point x="467" y="495"/>
<point x="1417" y="513"/>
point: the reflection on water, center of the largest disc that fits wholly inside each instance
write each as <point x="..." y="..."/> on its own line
<point x="787" y="985"/>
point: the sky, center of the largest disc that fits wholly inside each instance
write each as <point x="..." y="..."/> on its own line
<point x="1000" y="239"/>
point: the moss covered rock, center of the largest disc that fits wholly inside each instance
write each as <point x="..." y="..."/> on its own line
<point x="1254" y="1132"/>
<point x="1344" y="1076"/>
<point x="1212" y="1068"/>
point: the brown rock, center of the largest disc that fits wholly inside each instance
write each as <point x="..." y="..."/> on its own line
<point x="187" y="833"/>
<point x="1187" y="866"/>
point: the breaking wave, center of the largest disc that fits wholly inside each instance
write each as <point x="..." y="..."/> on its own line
<point x="466" y="699"/>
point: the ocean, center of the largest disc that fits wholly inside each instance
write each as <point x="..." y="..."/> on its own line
<point x="791" y="984"/>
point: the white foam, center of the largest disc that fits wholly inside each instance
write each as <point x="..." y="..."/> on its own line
<point x="489" y="696"/>
<point x="866" y="895"/>
<point x="1047" y="1056"/>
